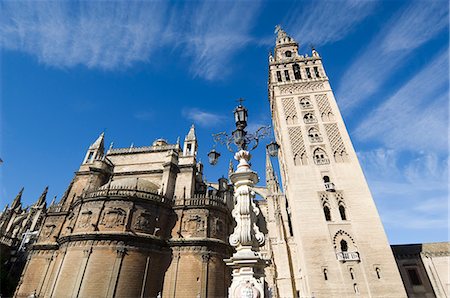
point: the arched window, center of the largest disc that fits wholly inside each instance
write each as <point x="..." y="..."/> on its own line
<point x="378" y="271"/>
<point x="342" y="212"/>
<point x="288" y="54"/>
<point x="327" y="213"/>
<point x="344" y="245"/>
<point x="320" y="157"/>
<point x="305" y="103"/>
<point x="325" y="274"/>
<point x="314" y="135"/>
<point x="296" y="69"/>
<point x="309" y="118"/>
<point x="326" y="179"/>
<point x="355" y="287"/>
<point x="352" y="274"/>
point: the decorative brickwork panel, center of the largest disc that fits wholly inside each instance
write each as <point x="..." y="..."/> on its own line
<point x="297" y="88"/>
<point x="297" y="145"/>
<point x="323" y="197"/>
<point x="324" y="107"/>
<point x="289" y="110"/>
<point x="337" y="145"/>
<point x="339" y="197"/>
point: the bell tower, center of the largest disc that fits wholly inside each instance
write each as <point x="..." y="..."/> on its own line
<point x="337" y="237"/>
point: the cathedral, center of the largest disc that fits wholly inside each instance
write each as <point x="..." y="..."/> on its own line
<point x="144" y="222"/>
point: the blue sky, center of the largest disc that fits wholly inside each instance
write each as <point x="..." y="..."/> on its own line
<point x="145" y="70"/>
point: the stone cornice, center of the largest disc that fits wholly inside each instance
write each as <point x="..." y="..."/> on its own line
<point x="126" y="238"/>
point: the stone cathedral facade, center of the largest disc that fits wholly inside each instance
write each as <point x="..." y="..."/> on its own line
<point x="143" y="222"/>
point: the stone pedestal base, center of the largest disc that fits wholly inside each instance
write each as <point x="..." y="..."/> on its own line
<point x="248" y="274"/>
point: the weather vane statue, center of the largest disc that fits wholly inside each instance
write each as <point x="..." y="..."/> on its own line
<point x="246" y="262"/>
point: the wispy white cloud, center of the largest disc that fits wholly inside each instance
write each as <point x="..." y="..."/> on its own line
<point x="214" y="32"/>
<point x="96" y="34"/>
<point x="203" y="118"/>
<point x="322" y="22"/>
<point x="416" y="116"/>
<point x="409" y="29"/>
<point x="111" y="35"/>
<point x="411" y="194"/>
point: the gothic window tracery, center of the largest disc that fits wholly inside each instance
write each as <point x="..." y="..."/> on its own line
<point x="320" y="157"/>
<point x="305" y="102"/>
<point x="314" y="135"/>
<point x="309" y="118"/>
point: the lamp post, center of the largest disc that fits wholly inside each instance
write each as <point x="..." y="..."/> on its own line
<point x="246" y="263"/>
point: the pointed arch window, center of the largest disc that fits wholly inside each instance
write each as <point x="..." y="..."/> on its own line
<point x="352" y="273"/>
<point x="378" y="271"/>
<point x="288" y="54"/>
<point x="320" y="157"/>
<point x="327" y="213"/>
<point x="325" y="274"/>
<point x="342" y="212"/>
<point x="297" y="73"/>
<point x="309" y="118"/>
<point x="305" y="103"/>
<point x="314" y="135"/>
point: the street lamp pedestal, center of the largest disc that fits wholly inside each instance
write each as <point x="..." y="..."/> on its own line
<point x="248" y="275"/>
<point x="246" y="263"/>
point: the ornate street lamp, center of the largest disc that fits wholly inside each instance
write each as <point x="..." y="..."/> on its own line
<point x="272" y="148"/>
<point x="213" y="157"/>
<point x="246" y="262"/>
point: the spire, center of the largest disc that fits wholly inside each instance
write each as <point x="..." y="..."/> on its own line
<point x="190" y="143"/>
<point x="16" y="203"/>
<point x="42" y="198"/>
<point x="282" y="37"/>
<point x="99" y="143"/>
<point x="191" y="134"/>
<point x="271" y="180"/>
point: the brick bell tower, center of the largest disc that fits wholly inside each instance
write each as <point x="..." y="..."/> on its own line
<point x="336" y="238"/>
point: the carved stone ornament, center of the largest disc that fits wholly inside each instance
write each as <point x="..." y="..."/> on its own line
<point x="194" y="223"/>
<point x="113" y="217"/>
<point x="247" y="290"/>
<point x="145" y="222"/>
<point x="85" y="219"/>
<point x="245" y="212"/>
<point x="48" y="230"/>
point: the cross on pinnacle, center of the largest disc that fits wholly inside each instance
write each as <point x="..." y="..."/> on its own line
<point x="240" y="100"/>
